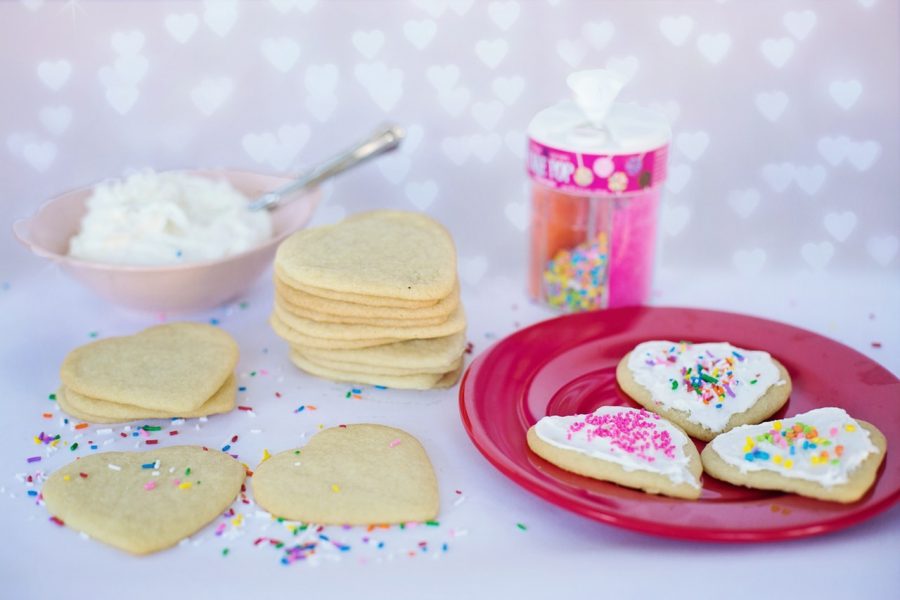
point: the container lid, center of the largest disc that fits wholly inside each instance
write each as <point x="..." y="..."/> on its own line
<point x="593" y="123"/>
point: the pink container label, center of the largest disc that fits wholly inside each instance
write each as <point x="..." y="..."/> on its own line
<point x="587" y="174"/>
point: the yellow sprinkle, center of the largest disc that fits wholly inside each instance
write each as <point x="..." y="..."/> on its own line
<point x="321" y="426"/>
<point x="54" y="442"/>
<point x="66" y="478"/>
<point x="776" y="459"/>
<point x="850" y="427"/>
<point x="776" y="425"/>
<point x="814" y="460"/>
<point x="184" y="485"/>
<point x="266" y="456"/>
<point x="788" y="463"/>
<point x="335" y="487"/>
<point x="237" y="520"/>
<point x="37" y="440"/>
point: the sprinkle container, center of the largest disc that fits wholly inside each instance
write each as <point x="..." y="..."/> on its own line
<point x="597" y="169"/>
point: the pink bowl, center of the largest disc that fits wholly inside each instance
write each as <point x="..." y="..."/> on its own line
<point x="183" y="287"/>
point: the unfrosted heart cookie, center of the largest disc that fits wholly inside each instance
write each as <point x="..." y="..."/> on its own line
<point x="441" y="309"/>
<point x="350" y="475"/>
<point x="705" y="389"/>
<point x="632" y="447"/>
<point x="410" y="381"/>
<point x="384" y="253"/>
<point x="823" y="453"/>
<point x="175" y="367"/>
<point x="100" y="411"/>
<point x="143" y="502"/>
<point x="408" y="354"/>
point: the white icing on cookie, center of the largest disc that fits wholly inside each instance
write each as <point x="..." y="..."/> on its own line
<point x="823" y="445"/>
<point x="635" y="439"/>
<point x="710" y="382"/>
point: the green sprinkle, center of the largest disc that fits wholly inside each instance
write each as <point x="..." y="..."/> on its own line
<point x="753" y="382"/>
<point x="187" y="471"/>
<point x="674" y="385"/>
<point x="52" y="397"/>
<point x="304" y="527"/>
<point x="348" y="395"/>
<point x="73" y="447"/>
<point x="708" y="378"/>
<point x="93" y="334"/>
<point x="296" y="452"/>
<point x="151" y="428"/>
<point x="402" y="525"/>
<point x="835" y="461"/>
<point x="280" y="519"/>
<point x="224" y="551"/>
<point x="432" y="523"/>
<point x="252" y="373"/>
<point x="243" y="305"/>
<point x="521" y="526"/>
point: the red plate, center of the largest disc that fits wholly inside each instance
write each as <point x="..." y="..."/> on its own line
<point x="567" y="366"/>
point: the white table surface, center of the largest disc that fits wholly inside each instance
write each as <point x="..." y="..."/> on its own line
<point x="43" y="315"/>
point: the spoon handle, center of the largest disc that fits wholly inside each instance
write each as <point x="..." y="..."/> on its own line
<point x="384" y="140"/>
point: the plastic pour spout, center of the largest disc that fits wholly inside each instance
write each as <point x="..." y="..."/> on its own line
<point x="594" y="92"/>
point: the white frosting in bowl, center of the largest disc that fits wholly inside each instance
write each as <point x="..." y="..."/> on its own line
<point x="167" y="218"/>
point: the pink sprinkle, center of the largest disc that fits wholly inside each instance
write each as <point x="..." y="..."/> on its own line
<point x="833" y="431"/>
<point x="263" y="372"/>
<point x="394" y="443"/>
<point x="150" y="485"/>
<point x="176" y="481"/>
<point x="220" y="529"/>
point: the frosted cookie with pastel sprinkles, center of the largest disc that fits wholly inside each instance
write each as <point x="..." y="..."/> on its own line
<point x="706" y="389"/>
<point x="824" y="453"/>
<point x="632" y="447"/>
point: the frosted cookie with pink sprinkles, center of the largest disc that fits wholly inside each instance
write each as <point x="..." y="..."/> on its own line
<point x="706" y="389"/>
<point x="824" y="453"/>
<point x="632" y="447"/>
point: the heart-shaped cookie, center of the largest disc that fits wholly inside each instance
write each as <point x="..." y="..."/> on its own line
<point x="100" y="411"/>
<point x="350" y="475"/>
<point x="384" y="253"/>
<point x="143" y="502"/>
<point x="824" y="453"/>
<point x="705" y="389"/>
<point x="175" y="367"/>
<point x="632" y="447"/>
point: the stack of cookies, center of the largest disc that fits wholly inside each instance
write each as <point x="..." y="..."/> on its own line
<point x="374" y="300"/>
<point x="173" y="370"/>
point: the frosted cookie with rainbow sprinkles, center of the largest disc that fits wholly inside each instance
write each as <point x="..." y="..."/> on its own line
<point x="824" y="453"/>
<point x="629" y="446"/>
<point x="706" y="389"/>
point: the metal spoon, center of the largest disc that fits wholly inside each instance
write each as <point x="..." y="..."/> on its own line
<point x="384" y="140"/>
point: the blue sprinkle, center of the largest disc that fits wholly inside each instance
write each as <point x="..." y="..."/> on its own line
<point x="226" y="447"/>
<point x="134" y="434"/>
<point x="444" y="547"/>
<point x="381" y="544"/>
<point x="380" y="387"/>
<point x="324" y="537"/>
<point x="749" y="456"/>
<point x="738" y="356"/>
<point x="148" y="465"/>
<point x="178" y="253"/>
<point x="243" y="388"/>
<point x="213" y="321"/>
<point x="793" y="450"/>
<point x="32" y="492"/>
<point x="94" y="447"/>
<point x="718" y="406"/>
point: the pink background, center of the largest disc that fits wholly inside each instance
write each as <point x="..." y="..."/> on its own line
<point x="785" y="113"/>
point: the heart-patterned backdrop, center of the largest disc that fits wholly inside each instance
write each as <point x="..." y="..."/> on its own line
<point x="785" y="114"/>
